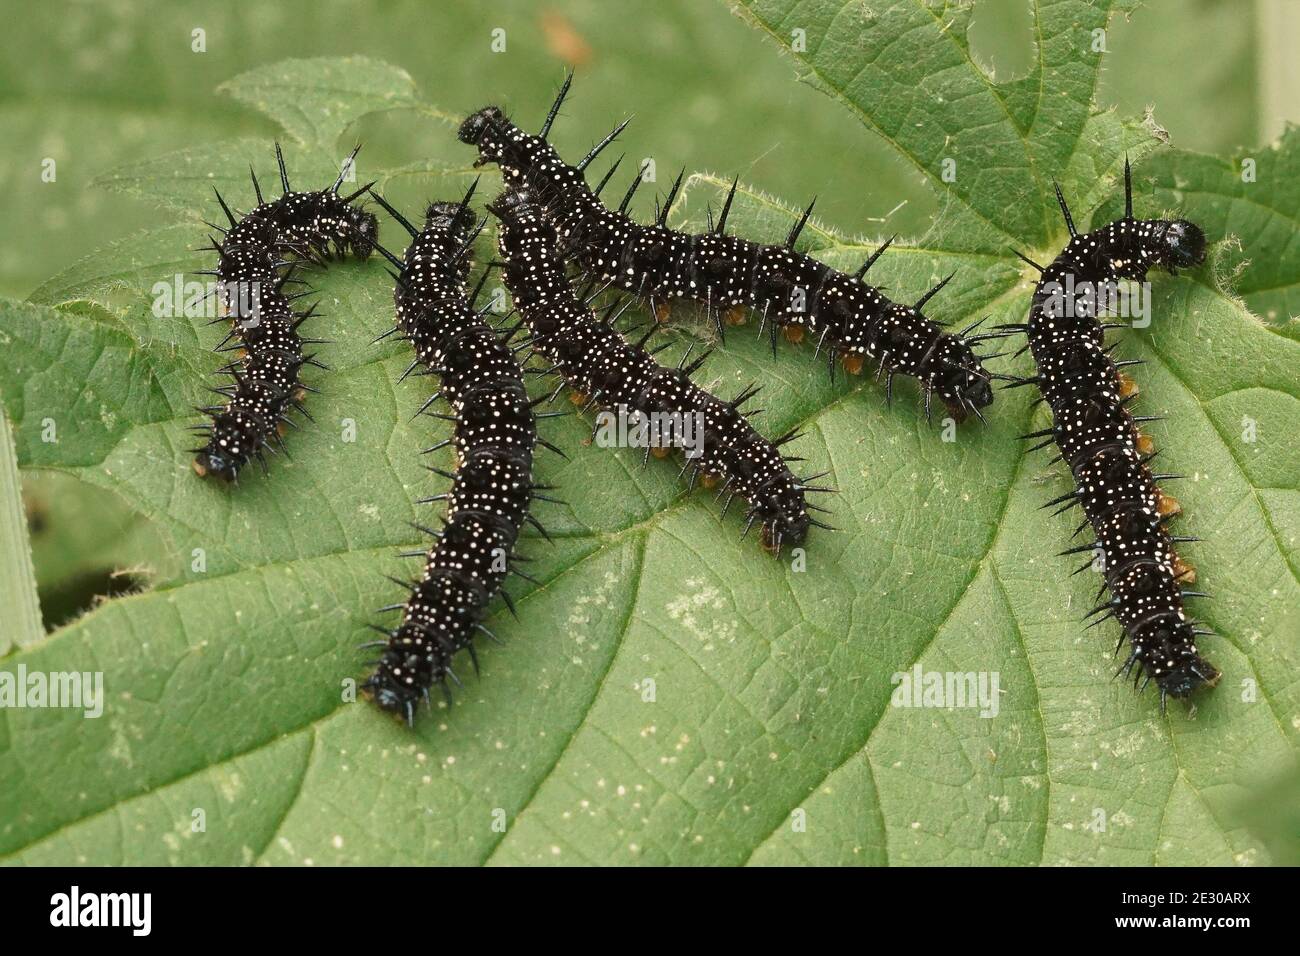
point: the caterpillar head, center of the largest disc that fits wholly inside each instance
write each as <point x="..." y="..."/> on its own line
<point x="473" y="131"/>
<point x="964" y="384"/>
<point x="236" y="433"/>
<point x="210" y="462"/>
<point x="308" y="224"/>
<point x="778" y="505"/>
<point x="911" y="345"/>
<point x="397" y="683"/>
<point x="454" y="218"/>
<point x="358" y="232"/>
<point x="976" y="391"/>
<point x="522" y="222"/>
<point x="787" y="525"/>
<point x="1168" y="651"/>
<point x="410" y="664"/>
<point x="1180" y="244"/>
<point x="516" y="204"/>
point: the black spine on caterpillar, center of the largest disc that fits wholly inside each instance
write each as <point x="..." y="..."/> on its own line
<point x="591" y="356"/>
<point x="492" y="487"/>
<point x="254" y="253"/>
<point x="1099" y="439"/>
<point x="846" y="317"/>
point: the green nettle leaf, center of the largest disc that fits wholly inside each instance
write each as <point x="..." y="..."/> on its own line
<point x="316" y="100"/>
<point x="1253" y="197"/>
<point x="668" y="693"/>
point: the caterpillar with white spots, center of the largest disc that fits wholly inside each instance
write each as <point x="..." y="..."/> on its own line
<point x="492" y="488"/>
<point x="591" y="356"/>
<point x="257" y="255"/>
<point x="847" y="318"/>
<point x="1099" y="440"/>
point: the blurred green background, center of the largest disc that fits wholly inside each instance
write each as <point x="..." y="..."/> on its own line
<point x="95" y="85"/>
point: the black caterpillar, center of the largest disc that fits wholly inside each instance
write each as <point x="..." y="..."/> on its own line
<point x="591" y="356"/>
<point x="297" y="227"/>
<point x="492" y="488"/>
<point x="791" y="291"/>
<point x="1100" y="441"/>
